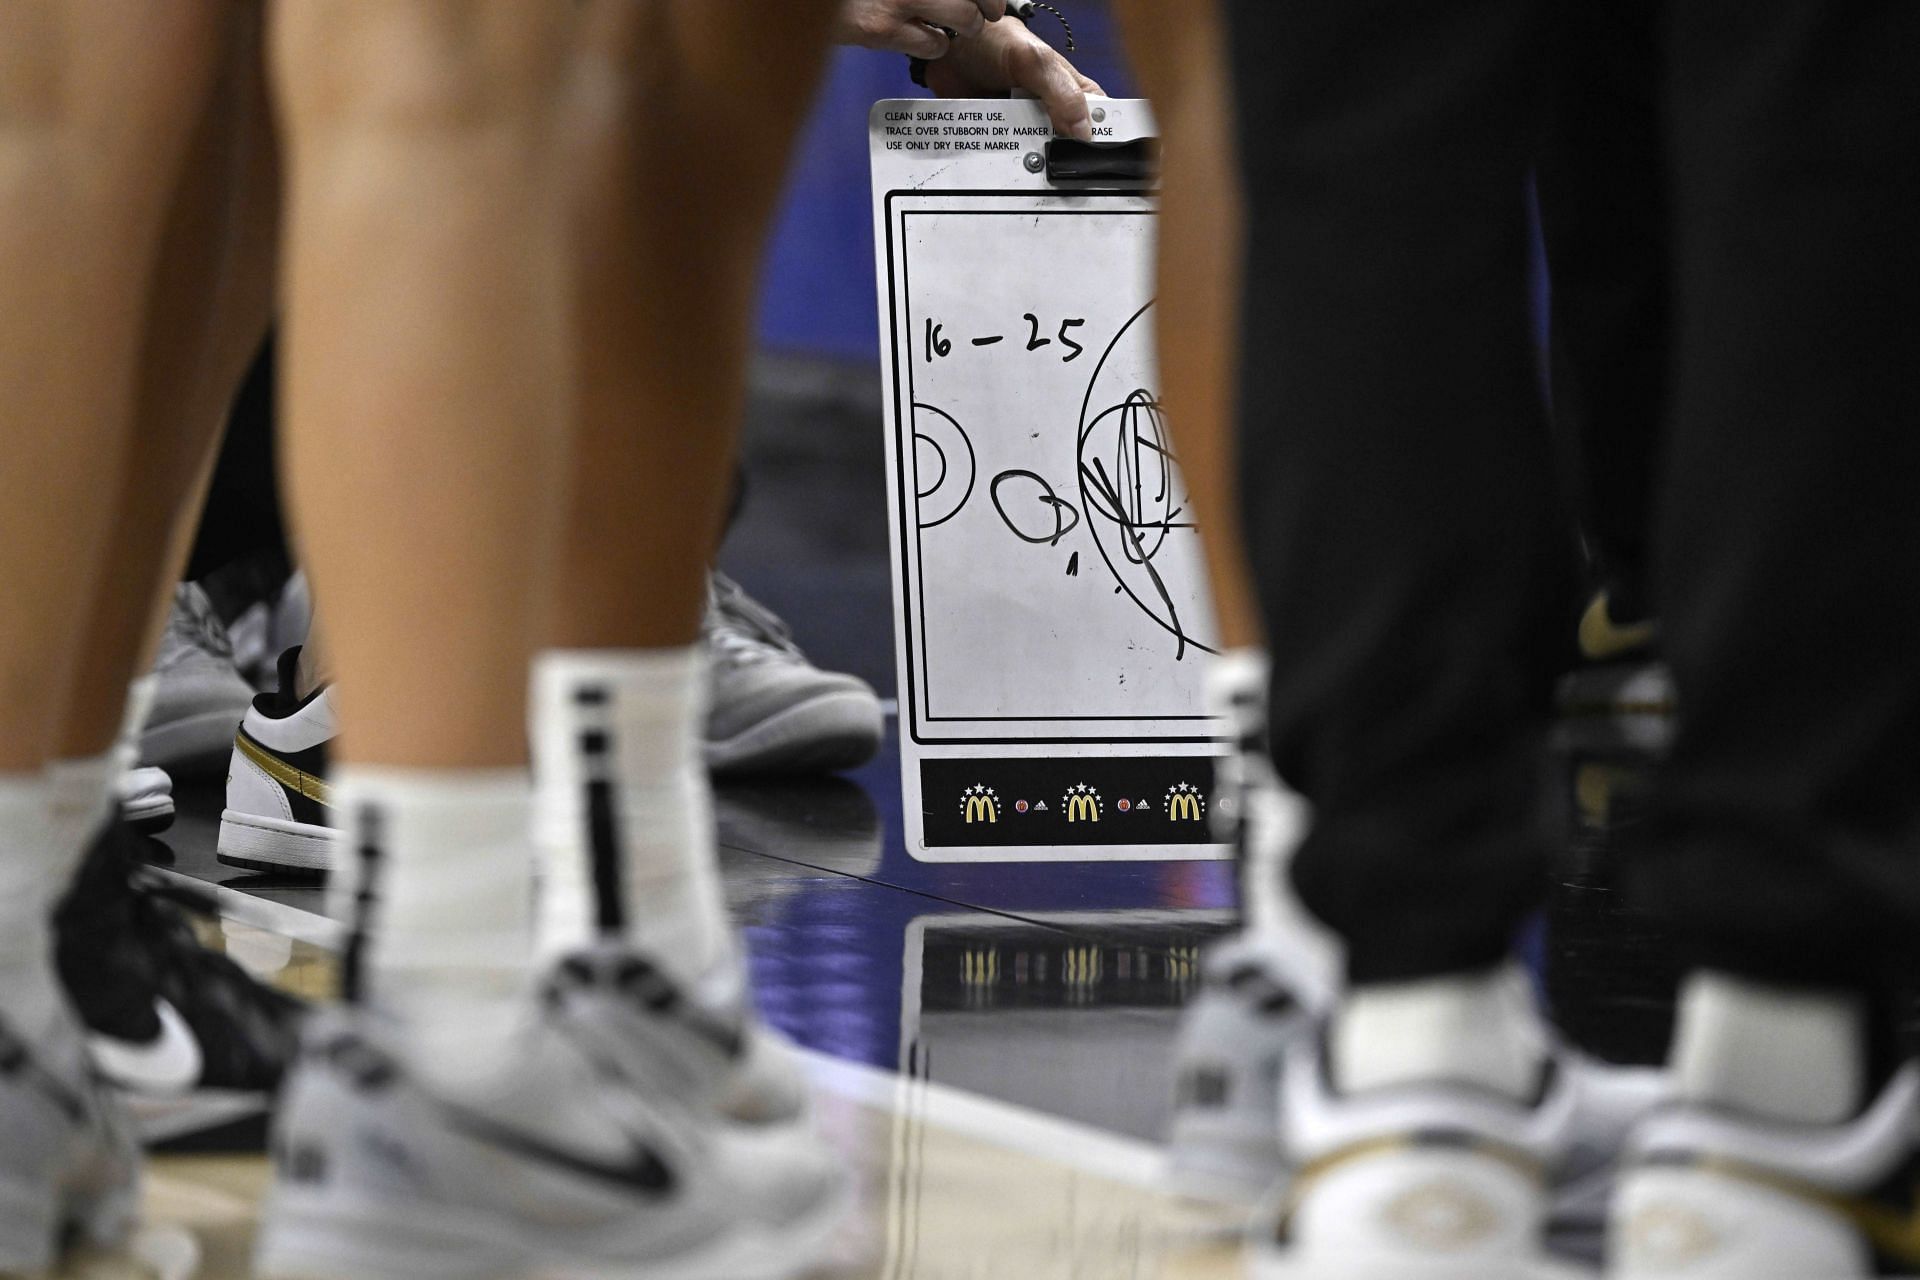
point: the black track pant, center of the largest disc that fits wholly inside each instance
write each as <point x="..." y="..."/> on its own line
<point x="1398" y="483"/>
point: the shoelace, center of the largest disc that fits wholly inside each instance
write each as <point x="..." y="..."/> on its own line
<point x="744" y="630"/>
<point x="193" y="622"/>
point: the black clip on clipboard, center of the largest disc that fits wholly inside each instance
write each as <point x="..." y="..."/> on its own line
<point x="1132" y="163"/>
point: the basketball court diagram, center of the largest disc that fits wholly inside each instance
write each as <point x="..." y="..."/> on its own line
<point x="1050" y="594"/>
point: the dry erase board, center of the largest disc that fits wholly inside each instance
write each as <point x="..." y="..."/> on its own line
<point x="1051" y="612"/>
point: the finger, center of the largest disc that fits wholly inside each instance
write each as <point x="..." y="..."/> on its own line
<point x="992" y="10"/>
<point x="1040" y="71"/>
<point x="918" y="40"/>
<point x="1090" y="87"/>
<point x="962" y="17"/>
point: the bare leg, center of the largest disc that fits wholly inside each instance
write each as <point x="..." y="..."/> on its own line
<point x="95" y="117"/>
<point x="208" y="308"/>
<point x="425" y="364"/>
<point x="425" y="395"/>
<point x="684" y="115"/>
<point x="1181" y="56"/>
<point x="428" y="371"/>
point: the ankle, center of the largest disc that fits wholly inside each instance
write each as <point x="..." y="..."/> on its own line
<point x="623" y="813"/>
<point x="433" y="877"/>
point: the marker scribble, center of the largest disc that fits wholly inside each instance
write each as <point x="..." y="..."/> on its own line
<point x="1057" y="509"/>
<point x="1128" y="494"/>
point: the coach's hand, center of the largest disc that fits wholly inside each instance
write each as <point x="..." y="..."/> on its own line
<point x="909" y="26"/>
<point x="1005" y="55"/>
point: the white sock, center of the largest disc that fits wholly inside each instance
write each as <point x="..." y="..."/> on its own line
<point x="33" y="870"/>
<point x="1473" y="1029"/>
<point x="1235" y="689"/>
<point x="622" y="803"/>
<point x="139" y="705"/>
<point x="1274" y="817"/>
<point x="80" y="789"/>
<point x="1786" y="1054"/>
<point x="438" y="886"/>
<point x="84" y="786"/>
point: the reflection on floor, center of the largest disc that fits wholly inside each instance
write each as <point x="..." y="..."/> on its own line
<point x="1016" y="981"/>
<point x="992" y="1041"/>
<point x="953" y="1186"/>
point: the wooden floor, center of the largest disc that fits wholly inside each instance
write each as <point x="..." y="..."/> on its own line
<point x="953" y="1186"/>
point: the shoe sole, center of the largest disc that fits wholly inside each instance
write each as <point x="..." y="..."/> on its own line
<point x="831" y="732"/>
<point x="255" y="842"/>
<point x="309" y="1236"/>
<point x="149" y="817"/>
<point x="205" y="737"/>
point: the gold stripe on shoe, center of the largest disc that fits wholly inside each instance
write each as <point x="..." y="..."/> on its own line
<point x="296" y="780"/>
<point x="1601" y="638"/>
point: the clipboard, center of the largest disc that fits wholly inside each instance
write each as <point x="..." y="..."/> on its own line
<point x="1051" y="614"/>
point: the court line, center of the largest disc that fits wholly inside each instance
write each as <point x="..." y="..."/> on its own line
<point x="1084" y="1148"/>
<point x="264" y="913"/>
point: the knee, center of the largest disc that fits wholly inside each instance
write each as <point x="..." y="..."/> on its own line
<point x="418" y="67"/>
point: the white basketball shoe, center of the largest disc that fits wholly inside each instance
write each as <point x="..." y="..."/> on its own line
<point x="592" y="1153"/>
<point x="1255" y="1000"/>
<point x="1417" y="1182"/>
<point x="277" y="795"/>
<point x="1256" y="1005"/>
<point x="769" y="710"/>
<point x="146" y="799"/>
<point x="68" y="1163"/>
<point x="1717" y="1195"/>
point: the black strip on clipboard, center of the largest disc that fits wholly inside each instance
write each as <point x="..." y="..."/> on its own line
<point x="1134" y="162"/>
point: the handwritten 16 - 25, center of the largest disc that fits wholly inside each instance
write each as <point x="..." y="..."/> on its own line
<point x="939" y="347"/>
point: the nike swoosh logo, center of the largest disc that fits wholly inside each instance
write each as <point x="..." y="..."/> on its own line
<point x="169" y="1063"/>
<point x="644" y="1171"/>
<point x="1601" y="638"/>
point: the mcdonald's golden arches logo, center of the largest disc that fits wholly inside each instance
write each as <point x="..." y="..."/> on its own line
<point x="1185" y="803"/>
<point x="980" y="803"/>
<point x="1082" y="803"/>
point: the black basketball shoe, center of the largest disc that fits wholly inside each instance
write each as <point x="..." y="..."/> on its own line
<point x="165" y="1014"/>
